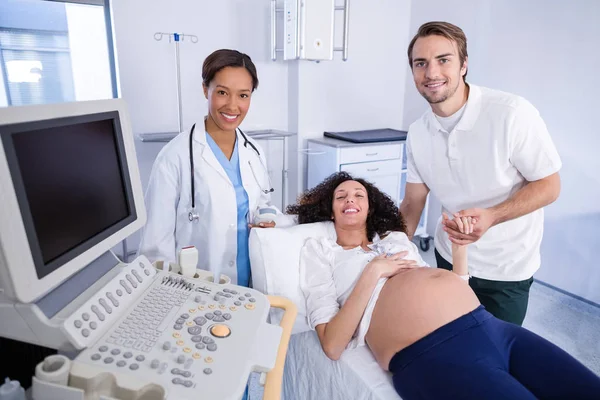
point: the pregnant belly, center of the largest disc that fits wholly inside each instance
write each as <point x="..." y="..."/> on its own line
<point x="413" y="304"/>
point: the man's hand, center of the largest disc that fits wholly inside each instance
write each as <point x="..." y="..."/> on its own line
<point x="482" y="218"/>
<point x="270" y="224"/>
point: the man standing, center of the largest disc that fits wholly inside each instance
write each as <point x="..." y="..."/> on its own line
<point x="484" y="154"/>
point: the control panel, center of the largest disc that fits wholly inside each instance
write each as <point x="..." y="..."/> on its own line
<point x="194" y="338"/>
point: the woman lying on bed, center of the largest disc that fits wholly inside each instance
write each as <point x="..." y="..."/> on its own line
<point x="368" y="287"/>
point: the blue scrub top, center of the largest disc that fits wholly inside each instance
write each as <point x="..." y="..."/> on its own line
<point x="232" y="168"/>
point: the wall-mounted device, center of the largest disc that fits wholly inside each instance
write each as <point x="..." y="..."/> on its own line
<point x="308" y="29"/>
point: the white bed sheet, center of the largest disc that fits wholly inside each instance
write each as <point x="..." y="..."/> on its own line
<point x="310" y="375"/>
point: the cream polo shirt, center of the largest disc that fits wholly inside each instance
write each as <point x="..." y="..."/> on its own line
<point x="500" y="143"/>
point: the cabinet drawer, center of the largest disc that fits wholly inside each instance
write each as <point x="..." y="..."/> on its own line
<point x="359" y="154"/>
<point x="383" y="174"/>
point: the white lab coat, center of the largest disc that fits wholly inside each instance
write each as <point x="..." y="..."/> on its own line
<point x="168" y="202"/>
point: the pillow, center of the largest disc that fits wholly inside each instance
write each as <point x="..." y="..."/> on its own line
<point x="275" y="264"/>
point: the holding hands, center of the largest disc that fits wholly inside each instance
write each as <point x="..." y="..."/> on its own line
<point x="467" y="226"/>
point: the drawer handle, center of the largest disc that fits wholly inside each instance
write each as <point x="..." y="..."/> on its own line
<point x="372" y="169"/>
<point x="372" y="154"/>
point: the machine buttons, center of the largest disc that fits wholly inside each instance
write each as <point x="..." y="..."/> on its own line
<point x="220" y="331"/>
<point x="128" y="355"/>
<point x="132" y="281"/>
<point x="208" y="360"/>
<point x="134" y="367"/>
<point x="200" y="308"/>
<point x="211" y="306"/>
<point x="85" y="333"/>
<point x="105" y="305"/>
<point x="200" y="321"/>
<point x="163" y="368"/>
<point x="96" y="357"/>
<point x="103" y="349"/>
<point x="209" y="315"/>
<point x="198" y="299"/>
<point x="190" y="323"/>
<point x="217" y="312"/>
<point x="187" y="350"/>
<point x="85" y="316"/>
<point x="196" y="356"/>
<point x="207" y="371"/>
<point x="180" y="342"/>
<point x="121" y="363"/>
<point x="200" y="346"/>
<point x="195" y="330"/>
<point x="249" y="306"/>
<point x="248" y="295"/>
<point x="98" y="313"/>
<point x="242" y="298"/>
<point x="180" y="321"/>
<point x="78" y="324"/>
<point x="188" y="384"/>
<point x="252" y="300"/>
<point x="115" y="352"/>
<point x="119" y="291"/>
<point x="177" y="327"/>
<point x="125" y="286"/>
<point x="185" y="316"/>
<point x="196" y="338"/>
<point x="154" y="364"/>
<point x="222" y="306"/>
<point x="180" y="359"/>
<point x="108" y="360"/>
<point x="147" y="272"/>
<point x="112" y="299"/>
<point x="192" y="310"/>
<point x="212" y="347"/>
<point x="207" y="340"/>
<point x="140" y="358"/>
<point x="93" y="324"/>
<point x="227" y="316"/>
<point x="137" y="276"/>
<point x="176" y="335"/>
<point x="166" y="345"/>
<point x="234" y="308"/>
<point x="218" y="318"/>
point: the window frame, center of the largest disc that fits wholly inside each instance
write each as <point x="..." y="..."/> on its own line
<point x="109" y="41"/>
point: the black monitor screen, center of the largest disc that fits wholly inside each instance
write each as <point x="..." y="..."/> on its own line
<point x="72" y="184"/>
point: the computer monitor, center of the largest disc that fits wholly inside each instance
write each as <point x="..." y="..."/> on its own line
<point x="70" y="191"/>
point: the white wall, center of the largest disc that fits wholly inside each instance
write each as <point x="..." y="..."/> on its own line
<point x="546" y="51"/>
<point x="366" y="91"/>
<point x="147" y="67"/>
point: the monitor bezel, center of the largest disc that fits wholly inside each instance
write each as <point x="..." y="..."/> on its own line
<point x="7" y="133"/>
<point x="18" y="275"/>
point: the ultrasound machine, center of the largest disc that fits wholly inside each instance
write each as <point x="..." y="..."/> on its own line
<point x="70" y="191"/>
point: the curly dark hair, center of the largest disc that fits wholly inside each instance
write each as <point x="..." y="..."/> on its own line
<point x="315" y="205"/>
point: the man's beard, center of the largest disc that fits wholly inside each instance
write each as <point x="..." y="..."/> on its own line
<point x="440" y="97"/>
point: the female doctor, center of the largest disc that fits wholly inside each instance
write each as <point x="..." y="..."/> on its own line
<point x="213" y="208"/>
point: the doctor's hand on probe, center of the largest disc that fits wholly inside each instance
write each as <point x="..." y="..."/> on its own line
<point x="270" y="224"/>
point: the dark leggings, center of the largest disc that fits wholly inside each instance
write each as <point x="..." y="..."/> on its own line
<point x="478" y="356"/>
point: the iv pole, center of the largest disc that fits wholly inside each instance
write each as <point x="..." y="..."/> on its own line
<point x="177" y="37"/>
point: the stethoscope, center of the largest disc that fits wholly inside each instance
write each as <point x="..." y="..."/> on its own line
<point x="194" y="216"/>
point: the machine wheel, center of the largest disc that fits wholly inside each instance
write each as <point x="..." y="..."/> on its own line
<point x="424" y="243"/>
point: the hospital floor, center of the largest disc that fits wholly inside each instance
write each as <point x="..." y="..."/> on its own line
<point x="571" y="324"/>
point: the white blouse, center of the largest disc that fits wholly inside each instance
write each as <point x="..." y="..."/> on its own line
<point x="328" y="274"/>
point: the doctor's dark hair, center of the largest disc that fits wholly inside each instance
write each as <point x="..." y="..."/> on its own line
<point x="315" y="205"/>
<point x="227" y="58"/>
<point x="447" y="30"/>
